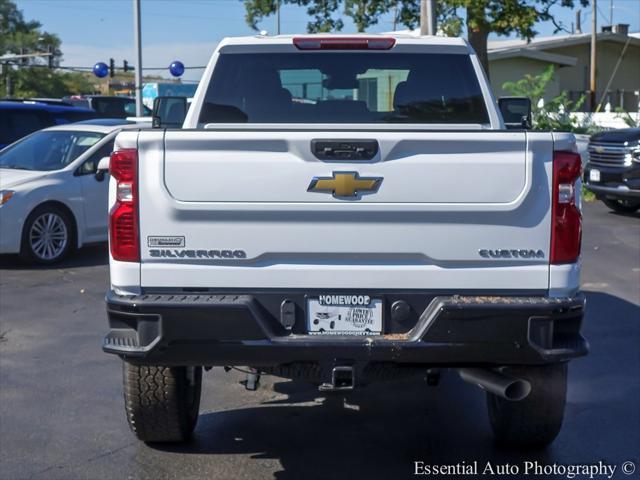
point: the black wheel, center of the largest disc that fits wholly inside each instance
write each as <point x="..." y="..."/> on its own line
<point x="162" y="403"/>
<point x="622" y="206"/>
<point x="536" y="420"/>
<point x="48" y="235"/>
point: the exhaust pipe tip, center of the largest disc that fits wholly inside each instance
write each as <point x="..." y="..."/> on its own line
<point x="517" y="390"/>
<point x="497" y="383"/>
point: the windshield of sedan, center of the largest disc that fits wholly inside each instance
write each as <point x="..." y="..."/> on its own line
<point x="48" y="150"/>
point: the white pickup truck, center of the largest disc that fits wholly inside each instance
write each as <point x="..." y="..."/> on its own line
<point x="343" y="210"/>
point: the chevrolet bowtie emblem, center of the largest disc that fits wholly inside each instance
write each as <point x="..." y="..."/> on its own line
<point x="599" y="149"/>
<point x="345" y="184"/>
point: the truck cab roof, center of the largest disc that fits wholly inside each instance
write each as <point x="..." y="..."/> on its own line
<point x="400" y="39"/>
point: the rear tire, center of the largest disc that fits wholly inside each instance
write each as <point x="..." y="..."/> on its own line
<point x="622" y="206"/>
<point x="162" y="403"/>
<point x="536" y="420"/>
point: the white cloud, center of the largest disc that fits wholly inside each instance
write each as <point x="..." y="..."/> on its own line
<point x="157" y="55"/>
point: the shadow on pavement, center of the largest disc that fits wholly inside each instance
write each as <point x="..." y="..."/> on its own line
<point x="374" y="433"/>
<point x="635" y="214"/>
<point x="379" y="431"/>
<point x="610" y="211"/>
<point x="88" y="256"/>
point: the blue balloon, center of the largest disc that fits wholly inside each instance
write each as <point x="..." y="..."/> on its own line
<point x="100" y="70"/>
<point x="176" y="68"/>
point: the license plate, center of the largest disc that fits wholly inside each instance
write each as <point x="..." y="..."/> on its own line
<point x="594" y="175"/>
<point x="344" y="315"/>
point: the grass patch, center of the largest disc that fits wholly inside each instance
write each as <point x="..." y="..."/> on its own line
<point x="588" y="196"/>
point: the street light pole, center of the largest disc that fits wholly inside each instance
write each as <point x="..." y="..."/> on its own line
<point x="427" y="17"/>
<point x="594" y="34"/>
<point x="137" y="36"/>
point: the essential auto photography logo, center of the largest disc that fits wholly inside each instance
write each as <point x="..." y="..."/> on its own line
<point x="532" y="468"/>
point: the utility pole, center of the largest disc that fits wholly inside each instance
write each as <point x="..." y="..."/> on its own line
<point x="594" y="34"/>
<point x="278" y="17"/>
<point x="50" y="56"/>
<point x="611" y="12"/>
<point x="395" y="17"/>
<point x="137" y="36"/>
<point x="4" y="68"/>
<point x="427" y="17"/>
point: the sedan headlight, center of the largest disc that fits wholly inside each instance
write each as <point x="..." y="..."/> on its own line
<point x="5" y="195"/>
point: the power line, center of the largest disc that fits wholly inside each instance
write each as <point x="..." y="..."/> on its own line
<point x="186" y="68"/>
<point x="90" y="69"/>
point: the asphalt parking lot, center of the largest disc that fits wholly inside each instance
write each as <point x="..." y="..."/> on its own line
<point x="61" y="409"/>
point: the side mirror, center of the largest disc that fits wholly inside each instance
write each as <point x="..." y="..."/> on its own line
<point x="516" y="112"/>
<point x="103" y="168"/>
<point x="168" y="112"/>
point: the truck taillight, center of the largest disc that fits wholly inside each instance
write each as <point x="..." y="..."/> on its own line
<point x="566" y="219"/>
<point x="123" y="217"/>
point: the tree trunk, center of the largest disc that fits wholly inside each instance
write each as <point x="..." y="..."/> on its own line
<point x="478" y="34"/>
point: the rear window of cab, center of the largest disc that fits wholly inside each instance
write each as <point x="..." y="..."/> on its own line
<point x="341" y="87"/>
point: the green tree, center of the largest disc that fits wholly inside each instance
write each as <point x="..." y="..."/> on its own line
<point x="554" y="114"/>
<point x="20" y="36"/>
<point x="482" y="17"/>
<point x="43" y="82"/>
<point x="31" y="77"/>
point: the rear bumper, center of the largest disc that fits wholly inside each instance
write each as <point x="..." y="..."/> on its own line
<point x="243" y="329"/>
<point x="621" y="191"/>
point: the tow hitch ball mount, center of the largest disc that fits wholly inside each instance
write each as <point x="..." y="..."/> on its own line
<point x="342" y="378"/>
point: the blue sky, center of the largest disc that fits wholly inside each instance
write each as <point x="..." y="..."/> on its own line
<point x="188" y="30"/>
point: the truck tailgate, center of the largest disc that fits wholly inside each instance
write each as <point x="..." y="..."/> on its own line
<point x="474" y="167"/>
<point x="442" y="198"/>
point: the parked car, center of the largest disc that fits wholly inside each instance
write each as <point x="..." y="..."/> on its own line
<point x="53" y="191"/>
<point x="49" y="101"/>
<point x="387" y="225"/>
<point x="108" y="106"/>
<point x="613" y="169"/>
<point x="20" y="118"/>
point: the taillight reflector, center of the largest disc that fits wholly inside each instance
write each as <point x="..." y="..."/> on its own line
<point x="344" y="43"/>
<point x="123" y="164"/>
<point x="566" y="218"/>
<point x="124" y="240"/>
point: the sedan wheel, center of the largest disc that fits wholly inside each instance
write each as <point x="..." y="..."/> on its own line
<point x="48" y="236"/>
